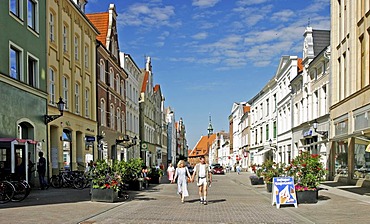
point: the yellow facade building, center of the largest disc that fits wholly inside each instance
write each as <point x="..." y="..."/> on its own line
<point x="71" y="51"/>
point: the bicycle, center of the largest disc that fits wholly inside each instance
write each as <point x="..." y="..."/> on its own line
<point x="6" y="191"/>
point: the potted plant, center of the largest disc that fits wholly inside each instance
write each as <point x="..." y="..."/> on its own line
<point x="270" y="170"/>
<point x="256" y="179"/>
<point x="106" y="179"/>
<point x="308" y="172"/>
<point x="155" y="175"/>
<point x="131" y="176"/>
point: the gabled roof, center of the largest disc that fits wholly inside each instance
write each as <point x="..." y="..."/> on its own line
<point x="145" y="82"/>
<point x="201" y="148"/>
<point x="157" y="87"/>
<point x="101" y="22"/>
<point x="300" y="65"/>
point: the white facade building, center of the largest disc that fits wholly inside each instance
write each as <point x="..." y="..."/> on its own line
<point x="132" y="103"/>
<point x="287" y="70"/>
<point x="263" y="124"/>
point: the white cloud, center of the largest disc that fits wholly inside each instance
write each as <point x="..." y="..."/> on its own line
<point x="200" y="36"/>
<point x="250" y="2"/>
<point x="283" y="15"/>
<point x="147" y="15"/>
<point x="205" y="3"/>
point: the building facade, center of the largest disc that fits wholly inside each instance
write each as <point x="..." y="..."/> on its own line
<point x="350" y="90"/>
<point x="111" y="88"/>
<point x="23" y="77"/>
<point x="310" y="94"/>
<point x="132" y="102"/>
<point x="150" y="120"/>
<point x="263" y="124"/>
<point x="71" y="76"/>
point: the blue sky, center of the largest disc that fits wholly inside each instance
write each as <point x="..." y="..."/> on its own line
<point x="208" y="54"/>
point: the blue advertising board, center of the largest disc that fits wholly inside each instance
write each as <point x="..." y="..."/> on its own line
<point x="283" y="192"/>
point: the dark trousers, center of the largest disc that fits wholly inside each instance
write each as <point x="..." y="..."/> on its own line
<point x="42" y="180"/>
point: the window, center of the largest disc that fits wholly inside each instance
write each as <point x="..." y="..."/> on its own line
<point x="121" y="91"/>
<point x="111" y="78"/>
<point x="76" y="48"/>
<point x="118" y="120"/>
<point x="15" y="56"/>
<point x="103" y="118"/>
<point x="16" y="8"/>
<point x="117" y="83"/>
<point x="87" y="102"/>
<point x="77" y="98"/>
<point x="51" y="27"/>
<point x="363" y="69"/>
<point x="267" y="132"/>
<point x="275" y="133"/>
<point x="51" y="86"/>
<point x="102" y="71"/>
<point x="65" y="38"/>
<point x="65" y="91"/>
<point x="86" y="56"/>
<point x="32" y="14"/>
<point x="267" y="107"/>
<point x="111" y="116"/>
<point x="32" y="71"/>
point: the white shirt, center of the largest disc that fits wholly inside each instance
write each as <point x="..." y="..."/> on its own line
<point x="202" y="170"/>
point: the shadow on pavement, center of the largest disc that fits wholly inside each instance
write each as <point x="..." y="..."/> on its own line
<point x="349" y="187"/>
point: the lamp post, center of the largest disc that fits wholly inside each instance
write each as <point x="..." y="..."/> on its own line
<point x="323" y="133"/>
<point x="210" y="132"/>
<point x="273" y="147"/>
<point x="50" y="118"/>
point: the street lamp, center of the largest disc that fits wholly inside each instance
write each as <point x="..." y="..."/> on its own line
<point x="324" y="133"/>
<point x="50" y="118"/>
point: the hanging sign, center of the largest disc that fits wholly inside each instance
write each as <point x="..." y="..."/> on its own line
<point x="283" y="192"/>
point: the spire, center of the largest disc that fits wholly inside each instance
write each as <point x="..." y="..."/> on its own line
<point x="210" y="129"/>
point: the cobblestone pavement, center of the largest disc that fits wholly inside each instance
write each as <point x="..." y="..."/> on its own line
<point x="231" y="200"/>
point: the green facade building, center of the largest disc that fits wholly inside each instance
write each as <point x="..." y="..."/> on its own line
<point x="23" y="92"/>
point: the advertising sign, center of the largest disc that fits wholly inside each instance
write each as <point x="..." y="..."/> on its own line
<point x="283" y="192"/>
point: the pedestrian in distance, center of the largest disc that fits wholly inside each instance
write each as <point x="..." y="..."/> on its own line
<point x="182" y="174"/>
<point x="204" y="177"/>
<point x="41" y="170"/>
<point x="238" y="168"/>
<point x="170" y="172"/>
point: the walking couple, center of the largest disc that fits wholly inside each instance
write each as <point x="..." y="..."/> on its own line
<point x="202" y="175"/>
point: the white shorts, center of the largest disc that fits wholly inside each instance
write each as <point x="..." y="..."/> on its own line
<point x="202" y="181"/>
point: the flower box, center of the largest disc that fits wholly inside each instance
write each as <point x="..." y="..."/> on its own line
<point x="104" y="195"/>
<point x="307" y="197"/>
<point x="256" y="180"/>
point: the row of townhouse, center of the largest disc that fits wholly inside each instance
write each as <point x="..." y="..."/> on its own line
<point x="68" y="91"/>
<point x="318" y="103"/>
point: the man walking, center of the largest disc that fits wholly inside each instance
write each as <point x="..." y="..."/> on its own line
<point x="203" y="177"/>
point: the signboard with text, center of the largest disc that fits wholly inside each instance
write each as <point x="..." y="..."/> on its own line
<point x="283" y="192"/>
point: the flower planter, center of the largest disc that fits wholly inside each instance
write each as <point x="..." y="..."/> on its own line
<point x="256" y="180"/>
<point x="136" y="185"/>
<point x="307" y="197"/>
<point x="269" y="187"/>
<point x="104" y="195"/>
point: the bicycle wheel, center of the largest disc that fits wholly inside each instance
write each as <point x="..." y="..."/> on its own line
<point x="56" y="182"/>
<point x="79" y="183"/>
<point x="20" y="192"/>
<point x="6" y="191"/>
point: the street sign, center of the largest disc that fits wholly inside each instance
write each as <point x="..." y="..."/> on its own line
<point x="90" y="138"/>
<point x="283" y="192"/>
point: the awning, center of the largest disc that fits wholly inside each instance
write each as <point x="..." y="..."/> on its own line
<point x="29" y="141"/>
<point x="263" y="151"/>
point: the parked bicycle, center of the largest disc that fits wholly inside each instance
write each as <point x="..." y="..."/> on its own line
<point x="6" y="191"/>
<point x="75" y="179"/>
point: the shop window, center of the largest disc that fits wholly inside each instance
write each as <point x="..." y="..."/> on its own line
<point x="362" y="121"/>
<point x="362" y="157"/>
<point x="341" y="158"/>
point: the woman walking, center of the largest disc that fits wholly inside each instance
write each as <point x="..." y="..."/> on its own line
<point x="170" y="172"/>
<point x="182" y="174"/>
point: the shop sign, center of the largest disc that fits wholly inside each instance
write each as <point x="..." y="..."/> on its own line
<point x="283" y="191"/>
<point x="90" y="138"/>
<point x="307" y="133"/>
